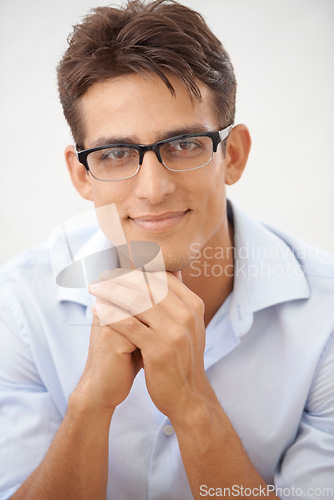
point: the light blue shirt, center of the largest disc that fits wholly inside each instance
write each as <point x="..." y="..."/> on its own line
<point x="269" y="357"/>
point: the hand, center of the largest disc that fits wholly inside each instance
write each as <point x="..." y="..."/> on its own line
<point x="170" y="336"/>
<point x="112" y="364"/>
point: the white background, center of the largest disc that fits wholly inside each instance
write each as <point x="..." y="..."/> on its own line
<point x="282" y="51"/>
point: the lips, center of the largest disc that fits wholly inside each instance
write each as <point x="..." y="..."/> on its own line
<point x="159" y="222"/>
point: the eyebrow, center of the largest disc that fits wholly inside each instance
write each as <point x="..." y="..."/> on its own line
<point x="190" y="129"/>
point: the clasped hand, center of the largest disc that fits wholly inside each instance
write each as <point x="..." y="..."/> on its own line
<point x="167" y="339"/>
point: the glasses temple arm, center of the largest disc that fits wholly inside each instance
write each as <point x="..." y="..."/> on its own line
<point x="225" y="132"/>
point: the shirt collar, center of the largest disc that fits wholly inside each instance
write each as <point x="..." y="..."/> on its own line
<point x="266" y="270"/>
<point x="90" y="259"/>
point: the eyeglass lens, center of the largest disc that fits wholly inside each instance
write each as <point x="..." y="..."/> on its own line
<point x="120" y="162"/>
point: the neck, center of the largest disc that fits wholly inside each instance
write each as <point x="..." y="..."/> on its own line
<point x="210" y="275"/>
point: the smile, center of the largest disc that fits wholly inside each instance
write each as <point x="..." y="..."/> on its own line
<point x="161" y="222"/>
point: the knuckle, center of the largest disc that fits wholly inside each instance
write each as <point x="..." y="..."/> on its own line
<point x="198" y="304"/>
<point x="134" y="301"/>
<point x="131" y="300"/>
<point x="179" y="334"/>
<point x="142" y="300"/>
<point x="129" y="323"/>
<point x="189" y="315"/>
<point x="133" y="324"/>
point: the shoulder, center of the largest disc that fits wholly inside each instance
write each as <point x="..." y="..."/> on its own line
<point x="30" y="266"/>
<point x="26" y="287"/>
<point x="38" y="267"/>
<point x="317" y="264"/>
<point x="284" y="275"/>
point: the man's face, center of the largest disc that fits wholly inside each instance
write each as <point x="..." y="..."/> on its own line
<point x="173" y="209"/>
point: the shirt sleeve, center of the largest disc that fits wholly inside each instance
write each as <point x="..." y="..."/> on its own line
<point x="29" y="418"/>
<point x="307" y="469"/>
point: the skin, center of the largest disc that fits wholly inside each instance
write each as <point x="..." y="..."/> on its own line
<point x="167" y="340"/>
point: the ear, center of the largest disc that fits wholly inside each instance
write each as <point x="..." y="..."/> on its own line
<point x="237" y="151"/>
<point x="78" y="173"/>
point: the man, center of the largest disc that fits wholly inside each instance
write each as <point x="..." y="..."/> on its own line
<point x="224" y="385"/>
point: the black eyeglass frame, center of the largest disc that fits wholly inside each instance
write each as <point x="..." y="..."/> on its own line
<point x="216" y="136"/>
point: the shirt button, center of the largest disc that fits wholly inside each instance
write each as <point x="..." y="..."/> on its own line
<point x="168" y="430"/>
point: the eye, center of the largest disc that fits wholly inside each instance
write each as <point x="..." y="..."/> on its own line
<point x="184" y="145"/>
<point x="116" y="154"/>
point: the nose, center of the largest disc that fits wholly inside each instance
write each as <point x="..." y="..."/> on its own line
<point x="153" y="181"/>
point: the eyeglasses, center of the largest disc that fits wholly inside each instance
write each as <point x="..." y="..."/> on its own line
<point x="117" y="162"/>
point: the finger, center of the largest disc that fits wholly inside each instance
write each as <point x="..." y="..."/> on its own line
<point x="137" y="292"/>
<point x="111" y="338"/>
<point x="128" y="299"/>
<point x="176" y="285"/>
<point x="167" y="338"/>
<point x="134" y="279"/>
<point x="161" y="324"/>
<point x="134" y="293"/>
<point x="107" y="313"/>
<point x="112" y="274"/>
<point x="126" y="277"/>
<point x="178" y="275"/>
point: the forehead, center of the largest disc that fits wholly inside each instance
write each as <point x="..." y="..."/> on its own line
<point x="142" y="107"/>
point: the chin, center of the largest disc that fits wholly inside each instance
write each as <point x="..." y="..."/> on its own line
<point x="176" y="263"/>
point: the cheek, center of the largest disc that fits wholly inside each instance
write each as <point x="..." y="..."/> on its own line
<point x="213" y="190"/>
<point x="106" y="194"/>
<point x="213" y="201"/>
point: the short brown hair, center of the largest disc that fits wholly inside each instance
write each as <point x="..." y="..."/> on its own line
<point x="162" y="37"/>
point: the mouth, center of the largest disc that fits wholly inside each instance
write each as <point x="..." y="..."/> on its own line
<point x="161" y="222"/>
